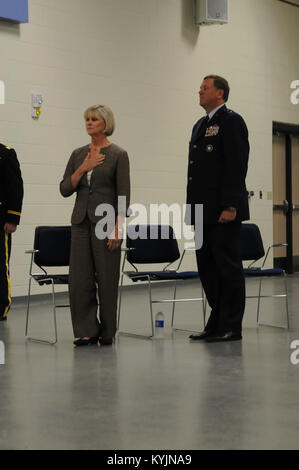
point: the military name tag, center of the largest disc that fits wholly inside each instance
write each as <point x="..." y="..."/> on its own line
<point x="212" y="130"/>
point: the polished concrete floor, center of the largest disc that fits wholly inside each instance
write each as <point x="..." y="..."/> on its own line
<point x="152" y="394"/>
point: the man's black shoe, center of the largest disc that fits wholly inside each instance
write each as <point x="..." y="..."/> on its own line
<point x="199" y="336"/>
<point x="228" y="336"/>
<point x="3" y="318"/>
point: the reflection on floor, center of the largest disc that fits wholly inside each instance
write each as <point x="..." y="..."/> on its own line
<point x="152" y="394"/>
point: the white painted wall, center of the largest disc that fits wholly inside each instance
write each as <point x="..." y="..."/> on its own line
<point x="146" y="60"/>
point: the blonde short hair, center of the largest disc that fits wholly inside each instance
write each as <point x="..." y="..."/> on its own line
<point x="106" y="113"/>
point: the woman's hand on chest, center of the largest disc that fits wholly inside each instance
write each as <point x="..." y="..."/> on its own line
<point x="93" y="159"/>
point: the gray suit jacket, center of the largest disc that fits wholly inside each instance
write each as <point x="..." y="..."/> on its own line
<point x="108" y="181"/>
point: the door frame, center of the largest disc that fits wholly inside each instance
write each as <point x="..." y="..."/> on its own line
<point x="288" y="131"/>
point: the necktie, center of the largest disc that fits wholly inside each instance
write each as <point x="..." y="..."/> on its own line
<point x="207" y="118"/>
<point x="203" y="127"/>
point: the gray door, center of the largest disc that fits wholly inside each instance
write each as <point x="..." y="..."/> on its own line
<point x="285" y="171"/>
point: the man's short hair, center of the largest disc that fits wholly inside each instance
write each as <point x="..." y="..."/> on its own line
<point x="220" y="83"/>
<point x="106" y="113"/>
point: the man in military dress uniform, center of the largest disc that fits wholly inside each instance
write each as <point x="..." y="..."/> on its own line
<point x="218" y="159"/>
<point x="11" y="197"/>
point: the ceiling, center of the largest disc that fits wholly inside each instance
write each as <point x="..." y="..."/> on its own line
<point x="291" y="2"/>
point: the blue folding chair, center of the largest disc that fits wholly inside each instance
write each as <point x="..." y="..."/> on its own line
<point x="252" y="249"/>
<point x="51" y="249"/>
<point x="156" y="244"/>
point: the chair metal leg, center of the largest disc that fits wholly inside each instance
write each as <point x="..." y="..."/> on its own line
<point x="54" y="313"/>
<point x="286" y="297"/>
<point x="28" y="306"/>
<point x="127" y="333"/>
<point x="38" y="340"/>
<point x="276" y="295"/>
<point x="186" y="300"/>
<point x="119" y="300"/>
<point x="151" y="302"/>
<point x="173" y="305"/>
<point x="259" y="300"/>
<point x="151" y="306"/>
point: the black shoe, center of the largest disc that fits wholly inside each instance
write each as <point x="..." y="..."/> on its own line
<point x="220" y="337"/>
<point x="199" y="336"/>
<point x="86" y="342"/>
<point x="105" y="341"/>
<point x="3" y="318"/>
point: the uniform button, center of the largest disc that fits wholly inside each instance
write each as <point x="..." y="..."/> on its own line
<point x="191" y="162"/>
<point x="190" y="178"/>
<point x="90" y="191"/>
<point x="195" y="146"/>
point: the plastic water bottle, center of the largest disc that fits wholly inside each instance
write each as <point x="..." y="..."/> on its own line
<point x="159" y="325"/>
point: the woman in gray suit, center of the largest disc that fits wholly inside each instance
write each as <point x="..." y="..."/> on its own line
<point x="99" y="174"/>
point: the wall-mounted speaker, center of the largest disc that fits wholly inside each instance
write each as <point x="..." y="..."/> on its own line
<point x="210" y="12"/>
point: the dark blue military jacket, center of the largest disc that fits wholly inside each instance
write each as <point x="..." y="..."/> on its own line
<point x="218" y="160"/>
<point x="11" y="186"/>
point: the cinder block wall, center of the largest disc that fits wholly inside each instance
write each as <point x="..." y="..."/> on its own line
<point x="146" y="60"/>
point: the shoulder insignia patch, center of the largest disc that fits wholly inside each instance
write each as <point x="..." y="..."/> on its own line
<point x="8" y="148"/>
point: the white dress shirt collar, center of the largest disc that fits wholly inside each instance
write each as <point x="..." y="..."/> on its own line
<point x="214" y="111"/>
